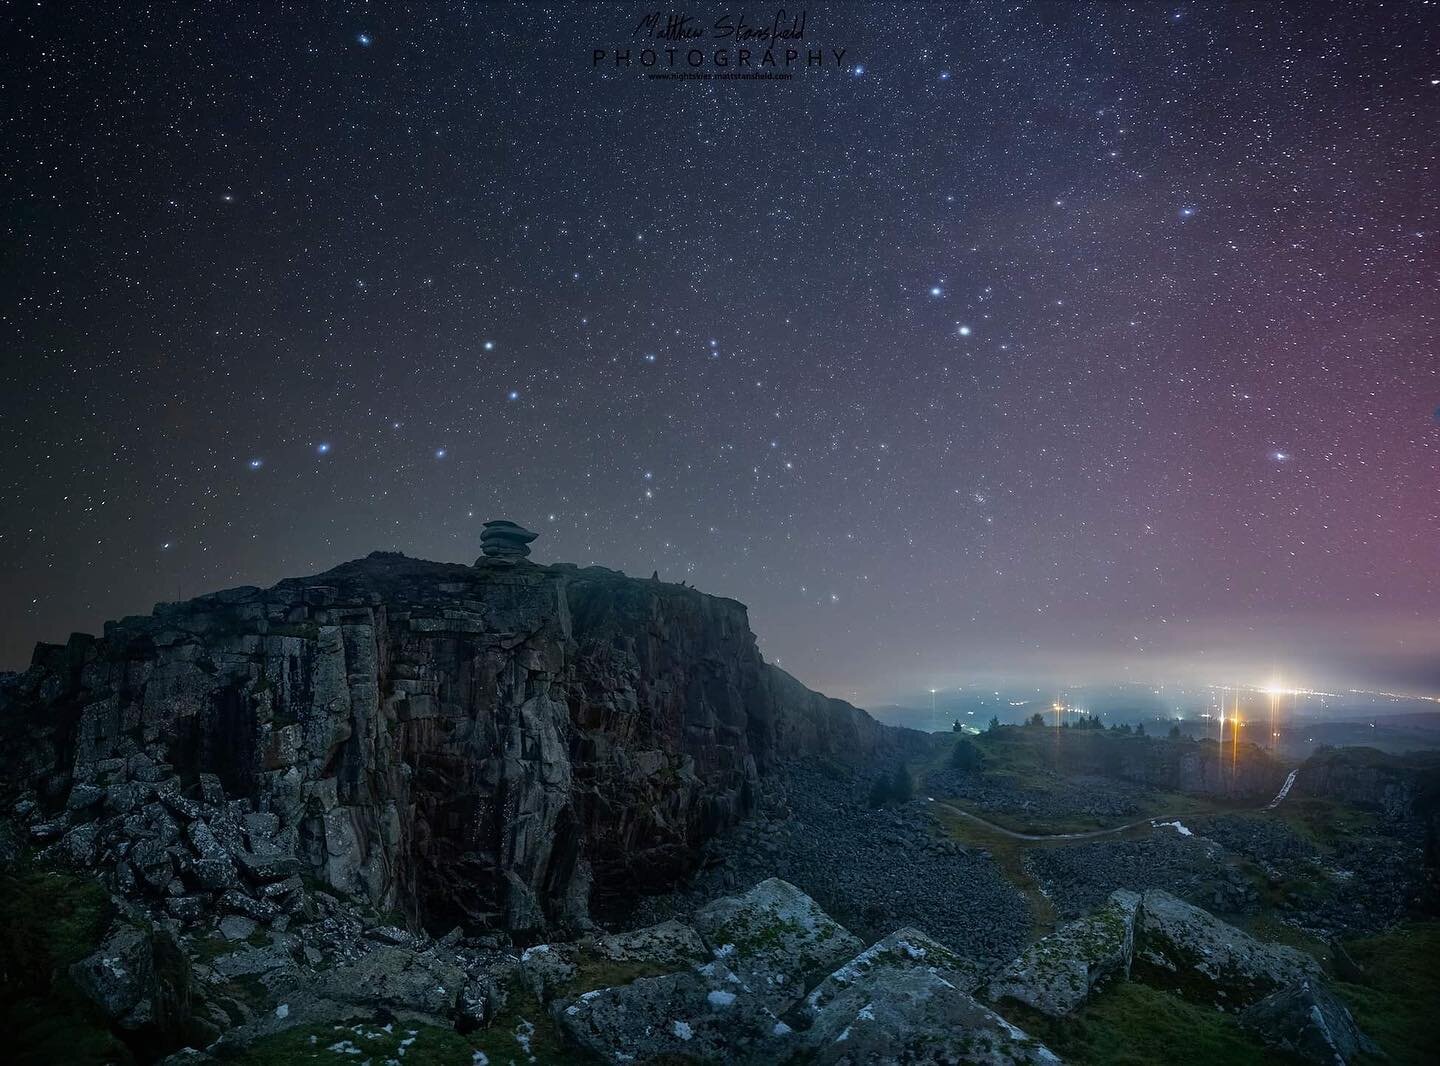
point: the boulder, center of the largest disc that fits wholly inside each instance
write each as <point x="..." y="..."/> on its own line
<point x="670" y="943"/>
<point x="216" y="875"/>
<point x="267" y="864"/>
<point x="1055" y="975"/>
<point x="153" y="864"/>
<point x="139" y="980"/>
<point x="547" y="968"/>
<point x="903" y="950"/>
<point x="237" y="927"/>
<point x="259" y="910"/>
<point x="1188" y="949"/>
<point x="185" y="908"/>
<point x="117" y="978"/>
<point x="704" y="1014"/>
<point x="80" y="846"/>
<point x="83" y="797"/>
<point x="396" y="978"/>
<point x="1308" y="1021"/>
<point x="503" y="539"/>
<point x="777" y="939"/>
<point x="915" y="1017"/>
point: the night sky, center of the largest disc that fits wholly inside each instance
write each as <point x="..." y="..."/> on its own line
<point x="1031" y="341"/>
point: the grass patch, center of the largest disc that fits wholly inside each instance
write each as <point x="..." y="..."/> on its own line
<point x="522" y="1033"/>
<point x="594" y="973"/>
<point x="420" y="1045"/>
<point x="1325" y="823"/>
<point x="1395" y="1006"/>
<point x="523" y="1017"/>
<point x="1130" y="1024"/>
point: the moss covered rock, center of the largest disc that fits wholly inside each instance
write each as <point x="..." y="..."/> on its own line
<point x="1188" y="949"/>
<point x="1056" y="974"/>
<point x="777" y="939"/>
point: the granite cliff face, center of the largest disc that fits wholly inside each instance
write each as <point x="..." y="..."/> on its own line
<point x="504" y="745"/>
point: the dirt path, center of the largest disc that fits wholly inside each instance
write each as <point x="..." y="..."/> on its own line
<point x="1092" y="833"/>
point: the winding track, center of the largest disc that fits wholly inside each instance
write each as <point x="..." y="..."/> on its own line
<point x="1092" y="833"/>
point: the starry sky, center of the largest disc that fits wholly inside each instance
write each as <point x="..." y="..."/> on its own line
<point x="1029" y="341"/>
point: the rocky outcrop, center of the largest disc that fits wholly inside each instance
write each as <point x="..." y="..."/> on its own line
<point x="503" y="539"/>
<point x="1057" y="974"/>
<point x="1183" y="947"/>
<point x="1387" y="783"/>
<point x="504" y="745"/>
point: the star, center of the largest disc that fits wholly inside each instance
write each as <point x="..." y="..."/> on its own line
<point x="323" y="448"/>
<point x="256" y="464"/>
<point x="363" y="39"/>
<point x="440" y="453"/>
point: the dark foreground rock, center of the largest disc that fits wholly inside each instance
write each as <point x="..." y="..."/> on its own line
<point x="916" y="1016"/>
<point x="1308" y="1021"/>
<point x="706" y="1014"/>
<point x="903" y="1000"/>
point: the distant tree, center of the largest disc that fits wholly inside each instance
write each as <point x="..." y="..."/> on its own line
<point x="956" y="728"/>
<point x="902" y="788"/>
<point x="894" y="787"/>
<point x="880" y="792"/>
<point x="1174" y="732"/>
<point x="994" y="724"/>
<point x="966" y="756"/>
<point x="1037" y="719"/>
<point x="1140" y="730"/>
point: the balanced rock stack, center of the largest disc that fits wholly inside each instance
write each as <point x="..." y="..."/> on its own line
<point x="505" y="540"/>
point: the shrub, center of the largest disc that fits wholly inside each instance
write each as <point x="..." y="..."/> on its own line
<point x="965" y="755"/>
